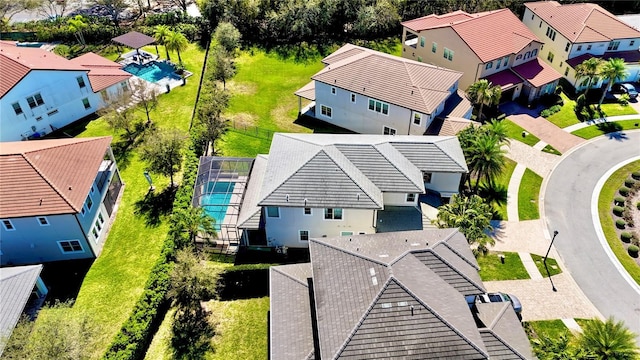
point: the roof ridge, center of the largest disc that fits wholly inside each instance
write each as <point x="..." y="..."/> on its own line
<point x="456" y="251"/>
<point x="455" y="269"/>
<point x="357" y="254"/>
<point x="46" y="179"/>
<point x="499" y="338"/>
<point x="436" y="143"/>
<point x="375" y="146"/>
<point x="275" y="268"/>
<point x="21" y="273"/>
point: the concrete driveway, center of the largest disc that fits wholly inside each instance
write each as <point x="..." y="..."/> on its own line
<point x="567" y="202"/>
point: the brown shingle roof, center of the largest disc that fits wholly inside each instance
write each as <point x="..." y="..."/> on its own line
<point x="134" y="39"/>
<point x="537" y="72"/>
<point x="48" y="177"/>
<point x="403" y="82"/>
<point x="102" y="72"/>
<point x="490" y="35"/>
<point x="582" y="22"/>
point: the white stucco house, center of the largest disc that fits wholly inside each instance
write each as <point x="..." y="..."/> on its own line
<point x="576" y="32"/>
<point x="57" y="199"/>
<point x="41" y="91"/>
<point x="370" y="92"/>
<point x="319" y="185"/>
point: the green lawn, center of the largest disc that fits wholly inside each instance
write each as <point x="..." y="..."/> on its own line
<point x="503" y="181"/>
<point x="117" y="278"/>
<point x="514" y="131"/>
<point x="604" y="128"/>
<point x="545" y="328"/>
<point x="551" y="150"/>
<point x="609" y="191"/>
<point x="552" y="264"/>
<point x="566" y="116"/>
<point x="492" y="269"/>
<point x="615" y="109"/>
<point x="159" y="349"/>
<point x="528" y="195"/>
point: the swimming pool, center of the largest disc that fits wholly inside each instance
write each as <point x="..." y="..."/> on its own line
<point x="216" y="200"/>
<point x="152" y="71"/>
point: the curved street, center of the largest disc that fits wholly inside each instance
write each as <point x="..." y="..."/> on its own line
<point x="567" y="209"/>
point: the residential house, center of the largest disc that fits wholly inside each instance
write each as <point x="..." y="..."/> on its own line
<point x="389" y="296"/>
<point x="22" y="292"/>
<point x="41" y="91"/>
<point x="576" y="32"/>
<point x="370" y="92"/>
<point x="325" y="185"/>
<point x="57" y="198"/>
<point x="492" y="45"/>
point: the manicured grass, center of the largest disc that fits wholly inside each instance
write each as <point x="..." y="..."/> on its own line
<point x="159" y="349"/>
<point x="545" y="329"/>
<point x="608" y="227"/>
<point x="492" y="269"/>
<point x="528" y="195"/>
<point x="566" y="116"/>
<point x="604" y="128"/>
<point x="117" y="278"/>
<point x="242" y="329"/>
<point x="551" y="150"/>
<point x="514" y="131"/>
<point x="503" y="180"/>
<point x="552" y="264"/>
<point x="615" y="109"/>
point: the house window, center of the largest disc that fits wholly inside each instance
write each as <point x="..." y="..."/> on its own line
<point x="379" y="106"/>
<point x="80" y="81"/>
<point x="506" y="61"/>
<point x="8" y="225"/>
<point x="550" y="57"/>
<point x="426" y="177"/>
<point x="307" y="211"/>
<point x="434" y="47"/>
<point x="43" y="221"/>
<point x="95" y="233"/>
<point x="532" y="16"/>
<point x="273" y="211"/>
<point x="534" y="52"/>
<point x="16" y="108"/>
<point x="448" y="54"/>
<point x="498" y="63"/>
<point x="632" y="42"/>
<point x="540" y="24"/>
<point x="388" y="131"/>
<point x="588" y="47"/>
<point x="566" y="71"/>
<point x="100" y="218"/>
<point x="579" y="48"/>
<point x="353" y="98"/>
<point x="422" y="41"/>
<point x="566" y="47"/>
<point x="70" y="246"/>
<point x="333" y="214"/>
<point x="346" y="233"/>
<point x="551" y="34"/>
<point x="518" y="57"/>
<point x="35" y="100"/>
<point x="83" y="210"/>
<point x="560" y="64"/>
<point x="98" y="225"/>
<point x="488" y="66"/>
<point x="417" y="118"/>
<point x="53" y="112"/>
<point x="92" y="189"/>
<point x="304" y="235"/>
<point x="333" y="90"/>
<point x="89" y="203"/>
<point x="613" y="45"/>
<point x="411" y="198"/>
<point x="326" y="111"/>
<point x="86" y="104"/>
<point x="125" y="86"/>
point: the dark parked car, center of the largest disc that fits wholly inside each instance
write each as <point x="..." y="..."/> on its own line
<point x="496" y="297"/>
<point x="626" y="88"/>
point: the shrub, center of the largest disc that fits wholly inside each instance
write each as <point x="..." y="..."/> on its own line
<point x="620" y="224"/>
<point x="638" y="205"/>
<point x="624" y="99"/>
<point x="624" y="191"/>
<point x="633" y="251"/>
<point x="550" y="111"/>
<point x="618" y="210"/>
<point x="629" y="183"/>
<point x="626" y="237"/>
<point x="636" y="175"/>
<point x="619" y="200"/>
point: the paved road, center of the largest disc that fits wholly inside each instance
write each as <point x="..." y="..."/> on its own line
<point x="567" y="208"/>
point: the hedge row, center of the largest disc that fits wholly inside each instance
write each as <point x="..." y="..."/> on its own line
<point x="136" y="333"/>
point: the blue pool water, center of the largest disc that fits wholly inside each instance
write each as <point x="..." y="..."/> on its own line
<point x="153" y="71"/>
<point x="218" y="196"/>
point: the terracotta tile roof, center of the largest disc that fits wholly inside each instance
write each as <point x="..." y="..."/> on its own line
<point x="16" y="62"/>
<point x="537" y="72"/>
<point x="403" y="82"/>
<point x="449" y="126"/>
<point x="102" y="72"/>
<point x="573" y="62"/>
<point x="505" y="79"/>
<point x="582" y="22"/>
<point x="94" y="60"/>
<point x="490" y="35"/>
<point x="46" y="177"/>
<point x="631" y="56"/>
<point x="134" y="39"/>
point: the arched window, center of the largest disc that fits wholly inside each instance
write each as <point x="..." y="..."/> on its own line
<point x="534" y="52"/>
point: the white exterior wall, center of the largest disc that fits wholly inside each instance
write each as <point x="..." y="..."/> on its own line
<point x="446" y="184"/>
<point x="357" y="116"/>
<point x="398" y="199"/>
<point x="31" y="243"/>
<point x="285" y="229"/>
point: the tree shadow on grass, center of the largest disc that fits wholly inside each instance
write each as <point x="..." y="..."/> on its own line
<point x="319" y="126"/>
<point x="123" y="148"/>
<point x="302" y="53"/>
<point x="155" y="205"/>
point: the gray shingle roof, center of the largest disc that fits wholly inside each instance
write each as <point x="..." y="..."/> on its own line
<point x="403" y="82"/>
<point x="502" y="342"/>
<point x="249" y="217"/>
<point x="16" y="285"/>
<point x="352" y="170"/>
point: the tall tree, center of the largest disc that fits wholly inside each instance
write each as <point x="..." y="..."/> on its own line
<point x="53" y="8"/>
<point x="498" y="129"/>
<point x="377" y="19"/>
<point x="613" y="70"/>
<point x="486" y="158"/>
<point x="472" y="216"/>
<point x="589" y="70"/>
<point x="8" y="8"/>
<point x="77" y="24"/>
<point x="227" y="36"/>
<point x="146" y="97"/>
<point x="176" y="42"/>
<point x="222" y="65"/>
<point x="608" y="340"/>
<point x="161" y="34"/>
<point x="210" y="111"/>
<point x="163" y="152"/>
<point x="193" y="222"/>
<point x="482" y="93"/>
<point x="114" y="7"/>
<point x="118" y="114"/>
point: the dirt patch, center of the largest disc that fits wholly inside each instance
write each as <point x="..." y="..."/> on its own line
<point x="243" y="119"/>
<point x="242" y="88"/>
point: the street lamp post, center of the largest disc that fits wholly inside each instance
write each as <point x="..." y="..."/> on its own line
<point x="555" y="233"/>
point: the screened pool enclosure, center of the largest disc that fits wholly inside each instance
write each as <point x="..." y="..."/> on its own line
<point x="219" y="190"/>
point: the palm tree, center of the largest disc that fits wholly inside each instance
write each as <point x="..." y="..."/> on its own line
<point x="612" y="70"/>
<point x="482" y="93"/>
<point x="472" y="216"/>
<point x="192" y="222"/>
<point x="77" y="24"/>
<point x="176" y="41"/>
<point x="161" y="33"/>
<point x="486" y="158"/>
<point x="589" y="70"/>
<point x="498" y="129"/>
<point x="608" y="340"/>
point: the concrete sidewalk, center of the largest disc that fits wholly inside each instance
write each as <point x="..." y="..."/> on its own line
<point x="540" y="162"/>
<point x="547" y="132"/>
